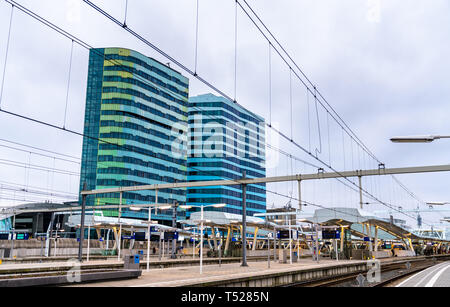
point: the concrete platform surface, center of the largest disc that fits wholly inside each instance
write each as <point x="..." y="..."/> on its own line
<point x="435" y="276"/>
<point x="186" y="276"/>
<point x="11" y="267"/>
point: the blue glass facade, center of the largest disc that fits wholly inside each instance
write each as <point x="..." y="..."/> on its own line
<point x="225" y="140"/>
<point x="141" y="105"/>
<point x="5" y="224"/>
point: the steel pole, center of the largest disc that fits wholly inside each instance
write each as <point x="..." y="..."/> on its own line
<point x="336" y="249"/>
<point x="317" y="243"/>
<point x="148" y="239"/>
<point x="315" y="176"/>
<point x="174" y="225"/>
<point x="290" y="242"/>
<point x="274" y="244"/>
<point x="12" y="239"/>
<point x="160" y="245"/>
<point x="201" y="242"/>
<point x="244" y="223"/>
<point x="120" y="227"/>
<point x="89" y="243"/>
<point x="83" y="214"/>
<point x="56" y="238"/>
<point x="220" y="250"/>
<point x="194" y="241"/>
<point x="300" y="195"/>
<point x="360" y="192"/>
<point x="149" y="230"/>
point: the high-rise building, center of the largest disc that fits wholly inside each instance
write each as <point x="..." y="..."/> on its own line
<point x="138" y="107"/>
<point x="225" y="140"/>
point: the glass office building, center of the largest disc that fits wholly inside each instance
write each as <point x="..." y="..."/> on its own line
<point x="138" y="108"/>
<point x="224" y="141"/>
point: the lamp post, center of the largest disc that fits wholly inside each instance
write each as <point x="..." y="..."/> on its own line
<point x="149" y="233"/>
<point x="174" y="225"/>
<point x="150" y="222"/>
<point x="12" y="238"/>
<point x="269" y="235"/>
<point x="201" y="227"/>
<point x="83" y="213"/>
<point x="195" y="241"/>
<point x="418" y="138"/>
<point x="290" y="242"/>
<point x="120" y="227"/>
<point x="244" y="222"/>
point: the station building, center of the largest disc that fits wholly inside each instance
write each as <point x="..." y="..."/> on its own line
<point x="224" y="141"/>
<point x="138" y="108"/>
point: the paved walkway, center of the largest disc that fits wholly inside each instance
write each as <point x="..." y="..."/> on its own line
<point x="113" y="262"/>
<point x="185" y="276"/>
<point x="435" y="276"/>
<point x="4" y="268"/>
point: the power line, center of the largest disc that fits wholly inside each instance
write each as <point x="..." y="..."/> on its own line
<point x="35" y="187"/>
<point x="37" y="167"/>
<point x="315" y="89"/>
<point x="45" y="150"/>
<point x="304" y="75"/>
<point x="196" y="75"/>
<point x="155" y="48"/>
<point x="27" y="191"/>
<point x="39" y="154"/>
<point x="6" y="55"/>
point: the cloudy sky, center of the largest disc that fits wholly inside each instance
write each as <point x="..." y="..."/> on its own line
<point x="382" y="65"/>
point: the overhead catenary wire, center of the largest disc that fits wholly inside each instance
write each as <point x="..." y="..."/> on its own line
<point x="40" y="149"/>
<point x="68" y="84"/>
<point x="126" y="14"/>
<point x="301" y="71"/>
<point x="189" y="71"/>
<point x="169" y="57"/>
<point x="8" y="183"/>
<point x="138" y="36"/>
<point x="39" y="154"/>
<point x="6" y="55"/>
<point x="316" y="91"/>
<point x="270" y="85"/>
<point x="34" y="192"/>
<point x="235" y="50"/>
<point x="124" y="146"/>
<point x="36" y="167"/>
<point x="196" y="37"/>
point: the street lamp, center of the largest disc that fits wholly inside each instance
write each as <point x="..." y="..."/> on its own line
<point x="437" y="203"/>
<point x="132" y="208"/>
<point x="201" y="227"/>
<point x="418" y="138"/>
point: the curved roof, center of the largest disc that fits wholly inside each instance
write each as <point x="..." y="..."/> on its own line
<point x="351" y="216"/>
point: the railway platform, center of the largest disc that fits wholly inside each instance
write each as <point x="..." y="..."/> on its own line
<point x="435" y="276"/>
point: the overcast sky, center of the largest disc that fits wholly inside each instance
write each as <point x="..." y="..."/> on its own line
<point x="382" y="65"/>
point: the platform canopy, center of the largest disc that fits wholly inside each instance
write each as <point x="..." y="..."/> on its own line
<point x="224" y="220"/>
<point x="109" y="222"/>
<point x="352" y="216"/>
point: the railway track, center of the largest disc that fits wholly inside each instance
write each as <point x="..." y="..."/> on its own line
<point x="389" y="273"/>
